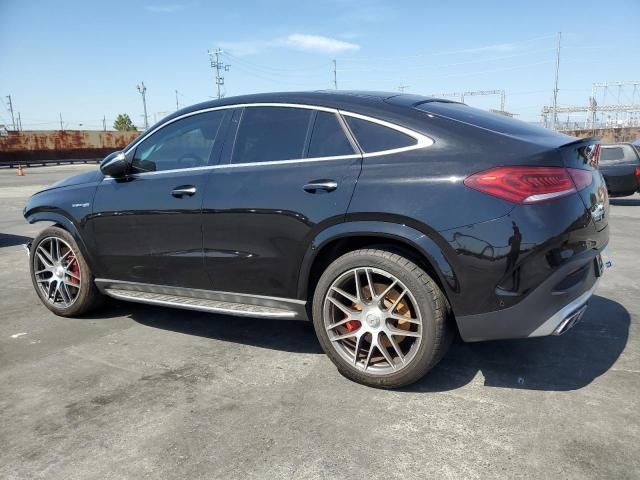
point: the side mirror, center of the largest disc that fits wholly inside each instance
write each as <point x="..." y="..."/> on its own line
<point x="115" y="164"/>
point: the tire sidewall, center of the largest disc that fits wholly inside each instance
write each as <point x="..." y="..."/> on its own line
<point x="86" y="281"/>
<point x="405" y="272"/>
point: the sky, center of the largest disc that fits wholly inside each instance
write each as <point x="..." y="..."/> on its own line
<point x="83" y="59"/>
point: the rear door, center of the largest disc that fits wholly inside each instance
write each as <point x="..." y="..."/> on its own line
<point x="290" y="173"/>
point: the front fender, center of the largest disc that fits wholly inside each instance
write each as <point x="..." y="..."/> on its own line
<point x="427" y="247"/>
<point x="50" y="206"/>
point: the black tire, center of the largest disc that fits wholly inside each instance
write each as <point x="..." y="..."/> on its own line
<point x="436" y="332"/>
<point x="88" y="298"/>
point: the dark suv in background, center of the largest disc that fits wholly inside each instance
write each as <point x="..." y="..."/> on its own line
<point x="392" y="221"/>
<point x="620" y="167"/>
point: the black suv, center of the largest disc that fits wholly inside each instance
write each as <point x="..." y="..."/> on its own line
<point x="392" y="221"/>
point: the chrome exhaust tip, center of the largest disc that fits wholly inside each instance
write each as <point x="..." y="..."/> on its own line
<point x="570" y="321"/>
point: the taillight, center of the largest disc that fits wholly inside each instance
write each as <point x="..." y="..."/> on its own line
<point x="529" y="184"/>
<point x="638" y="172"/>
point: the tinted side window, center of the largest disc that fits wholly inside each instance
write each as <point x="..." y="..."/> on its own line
<point x="184" y="143"/>
<point x="328" y="138"/>
<point x="373" y="137"/>
<point x="271" y="133"/>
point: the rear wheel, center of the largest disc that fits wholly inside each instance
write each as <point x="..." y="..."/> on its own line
<point x="380" y="318"/>
<point x="60" y="274"/>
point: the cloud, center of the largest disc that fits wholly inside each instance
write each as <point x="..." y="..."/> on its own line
<point x="296" y="41"/>
<point x="318" y="43"/>
<point x="165" y="8"/>
<point x="244" y="48"/>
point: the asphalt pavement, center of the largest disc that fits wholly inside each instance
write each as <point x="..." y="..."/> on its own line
<point x="136" y="391"/>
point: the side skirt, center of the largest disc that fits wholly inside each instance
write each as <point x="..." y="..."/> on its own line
<point x="226" y="303"/>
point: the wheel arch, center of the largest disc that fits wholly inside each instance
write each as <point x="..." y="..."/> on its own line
<point x="65" y="223"/>
<point x="345" y="237"/>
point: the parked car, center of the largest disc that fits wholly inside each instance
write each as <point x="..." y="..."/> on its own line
<point x="392" y="221"/>
<point x="620" y="167"/>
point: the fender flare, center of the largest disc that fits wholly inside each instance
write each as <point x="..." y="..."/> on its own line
<point x="67" y="224"/>
<point x="421" y="242"/>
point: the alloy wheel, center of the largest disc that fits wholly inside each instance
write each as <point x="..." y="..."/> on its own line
<point x="372" y="320"/>
<point x="57" y="272"/>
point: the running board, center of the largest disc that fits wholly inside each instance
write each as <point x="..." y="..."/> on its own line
<point x="201" y="304"/>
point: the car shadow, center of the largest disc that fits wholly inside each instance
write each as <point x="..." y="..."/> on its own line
<point x="563" y="363"/>
<point x="287" y="335"/>
<point x="625" y="202"/>
<point x="9" y="240"/>
<point x="568" y="362"/>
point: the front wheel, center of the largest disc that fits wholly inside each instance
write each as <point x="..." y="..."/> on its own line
<point x="60" y="274"/>
<point x="380" y="318"/>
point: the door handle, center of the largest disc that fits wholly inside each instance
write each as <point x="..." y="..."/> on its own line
<point x="321" y="185"/>
<point x="182" y="190"/>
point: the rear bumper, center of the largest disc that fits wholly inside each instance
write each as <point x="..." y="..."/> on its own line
<point x="551" y="309"/>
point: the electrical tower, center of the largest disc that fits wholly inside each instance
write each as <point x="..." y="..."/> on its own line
<point x="624" y="107"/>
<point x="143" y="91"/>
<point x="220" y="69"/>
<point x="13" y="120"/>
<point x="555" y="88"/>
<point x="335" y="76"/>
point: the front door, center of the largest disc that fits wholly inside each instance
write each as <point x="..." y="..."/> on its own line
<point x="147" y="227"/>
<point x="290" y="173"/>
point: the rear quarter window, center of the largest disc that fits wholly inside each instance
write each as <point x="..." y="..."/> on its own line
<point x="373" y="137"/>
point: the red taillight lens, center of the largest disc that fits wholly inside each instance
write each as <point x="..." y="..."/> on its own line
<point x="529" y="184"/>
<point x="638" y="172"/>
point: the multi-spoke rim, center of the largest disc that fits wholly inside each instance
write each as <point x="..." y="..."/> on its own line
<point x="57" y="272"/>
<point x="372" y="320"/>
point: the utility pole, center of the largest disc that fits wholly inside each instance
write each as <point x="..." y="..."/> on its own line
<point x="19" y="122"/>
<point x="177" y="104"/>
<point x="554" y="120"/>
<point x="104" y="123"/>
<point x="143" y="91"/>
<point x="13" y="120"/>
<point x="61" y="124"/>
<point x="220" y="69"/>
<point x="401" y="88"/>
<point x="335" y="75"/>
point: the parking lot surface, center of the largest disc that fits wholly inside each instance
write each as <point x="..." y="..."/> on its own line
<point x="137" y="391"/>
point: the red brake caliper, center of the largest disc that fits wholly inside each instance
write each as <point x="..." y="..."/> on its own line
<point x="352" y="325"/>
<point x="75" y="269"/>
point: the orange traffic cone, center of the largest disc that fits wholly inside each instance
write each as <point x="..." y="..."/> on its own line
<point x="20" y="171"/>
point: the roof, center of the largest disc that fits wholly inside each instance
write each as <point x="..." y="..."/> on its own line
<point x="322" y="98"/>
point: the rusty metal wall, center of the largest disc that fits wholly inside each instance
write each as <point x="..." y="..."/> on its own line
<point x="69" y="144"/>
<point x="608" y="135"/>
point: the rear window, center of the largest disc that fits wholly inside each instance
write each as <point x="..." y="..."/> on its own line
<point x="481" y="118"/>
<point x="619" y="154"/>
<point x="268" y="134"/>
<point x="373" y="137"/>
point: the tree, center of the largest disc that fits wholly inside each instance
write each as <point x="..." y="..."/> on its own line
<point x="123" y="123"/>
